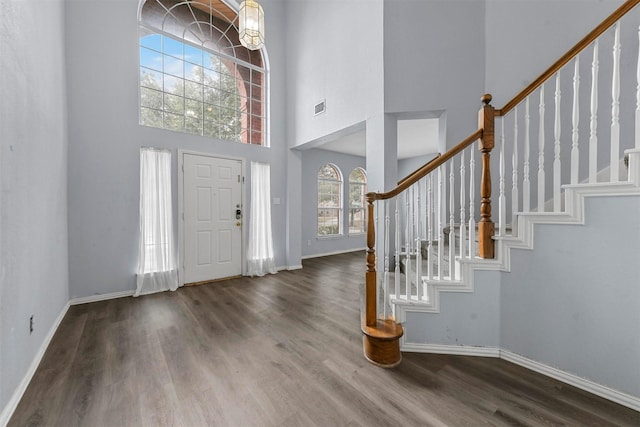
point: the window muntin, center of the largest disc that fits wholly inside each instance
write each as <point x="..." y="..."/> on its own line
<point x="357" y="191"/>
<point x="329" y="201"/>
<point x="195" y="76"/>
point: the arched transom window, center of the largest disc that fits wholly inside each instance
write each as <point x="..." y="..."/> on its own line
<point x="329" y="200"/>
<point x="195" y="76"/>
<point x="357" y="191"/>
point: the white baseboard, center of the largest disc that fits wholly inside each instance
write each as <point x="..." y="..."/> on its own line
<point x="289" y="267"/>
<point x="605" y="392"/>
<point x="101" y="297"/>
<point x="459" y="350"/>
<point x="11" y="406"/>
<point x="574" y="380"/>
<point x="344" y="251"/>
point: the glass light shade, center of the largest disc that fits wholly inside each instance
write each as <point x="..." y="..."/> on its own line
<point x="251" y="25"/>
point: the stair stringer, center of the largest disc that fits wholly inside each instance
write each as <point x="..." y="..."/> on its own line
<point x="574" y="196"/>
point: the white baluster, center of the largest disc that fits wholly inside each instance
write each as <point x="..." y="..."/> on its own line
<point x="472" y="195"/>
<point x="541" y="198"/>
<point x="556" y="149"/>
<point x="463" y="214"/>
<point x="407" y="242"/>
<point x="514" y="175"/>
<point x="386" y="259"/>
<point x="593" y="122"/>
<point x="638" y="96"/>
<point x="430" y="220"/>
<point x="502" y="211"/>
<point x="452" y="237"/>
<point x="615" y="108"/>
<point x="396" y="276"/>
<point x="575" y="121"/>
<point x="442" y="170"/>
<point x="526" y="183"/>
<point x="418" y="243"/>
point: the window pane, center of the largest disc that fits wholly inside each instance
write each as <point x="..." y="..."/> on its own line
<point x="357" y="222"/>
<point x="328" y="172"/>
<point x="193" y="108"/>
<point x="150" y="59"/>
<point x="174" y="104"/>
<point x="227" y="82"/>
<point x="192" y="54"/>
<point x="149" y="117"/>
<point x="193" y="72"/>
<point x="173" y="66"/>
<point x="357" y="175"/>
<point x="211" y="78"/>
<point x="193" y="90"/>
<point x="150" y="78"/>
<point x="228" y="100"/>
<point x="174" y="121"/>
<point x="150" y="98"/>
<point x="173" y="85"/>
<point x="328" y="222"/>
<point x="211" y="95"/>
<point x="173" y="47"/>
<point x="211" y="129"/>
<point x="211" y="113"/>
<point x="152" y="41"/>
<point x="193" y="125"/>
<point x="211" y="61"/>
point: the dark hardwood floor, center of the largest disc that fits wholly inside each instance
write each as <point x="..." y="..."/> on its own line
<point x="282" y="350"/>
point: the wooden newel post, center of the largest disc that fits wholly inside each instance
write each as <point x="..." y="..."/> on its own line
<point x="486" y="227"/>
<point x="381" y="337"/>
<point x="371" y="308"/>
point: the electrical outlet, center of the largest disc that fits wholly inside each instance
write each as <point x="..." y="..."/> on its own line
<point x="31" y="324"/>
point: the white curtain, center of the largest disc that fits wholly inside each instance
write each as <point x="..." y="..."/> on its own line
<point x="260" y="250"/>
<point x="157" y="270"/>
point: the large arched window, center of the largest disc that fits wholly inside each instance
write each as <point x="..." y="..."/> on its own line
<point x="329" y="201"/>
<point x="195" y="76"/>
<point x="357" y="191"/>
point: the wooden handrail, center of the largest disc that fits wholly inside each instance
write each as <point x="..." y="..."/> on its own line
<point x="426" y="169"/>
<point x="419" y="169"/>
<point x="571" y="53"/>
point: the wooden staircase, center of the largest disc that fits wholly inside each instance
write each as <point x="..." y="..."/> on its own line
<point x="438" y="201"/>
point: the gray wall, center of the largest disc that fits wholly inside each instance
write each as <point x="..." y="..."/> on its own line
<point x="573" y="302"/>
<point x="334" y="53"/>
<point x="33" y="183"/>
<point x="434" y="60"/>
<point x="312" y="244"/>
<point x="105" y="139"/>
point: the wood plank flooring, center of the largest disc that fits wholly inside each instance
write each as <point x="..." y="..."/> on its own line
<point x="282" y="350"/>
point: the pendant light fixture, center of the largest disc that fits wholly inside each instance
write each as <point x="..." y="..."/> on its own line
<point x="251" y="25"/>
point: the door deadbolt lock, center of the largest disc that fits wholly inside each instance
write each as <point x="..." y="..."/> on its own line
<point x="238" y="214"/>
<point x="238" y="224"/>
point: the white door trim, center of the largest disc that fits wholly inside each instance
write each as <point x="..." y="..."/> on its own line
<point x="243" y="196"/>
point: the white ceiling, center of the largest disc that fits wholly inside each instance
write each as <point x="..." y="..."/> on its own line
<point x="416" y="137"/>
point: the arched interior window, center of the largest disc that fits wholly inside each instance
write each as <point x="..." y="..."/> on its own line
<point x="357" y="191"/>
<point x="195" y="76"/>
<point x="329" y="200"/>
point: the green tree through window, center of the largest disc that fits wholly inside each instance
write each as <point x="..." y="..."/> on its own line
<point x="215" y="90"/>
<point x="357" y="191"/>
<point x="329" y="200"/>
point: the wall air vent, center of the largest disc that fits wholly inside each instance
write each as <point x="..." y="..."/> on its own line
<point x="320" y="107"/>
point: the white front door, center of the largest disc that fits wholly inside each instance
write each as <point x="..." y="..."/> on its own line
<point x="212" y="207"/>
